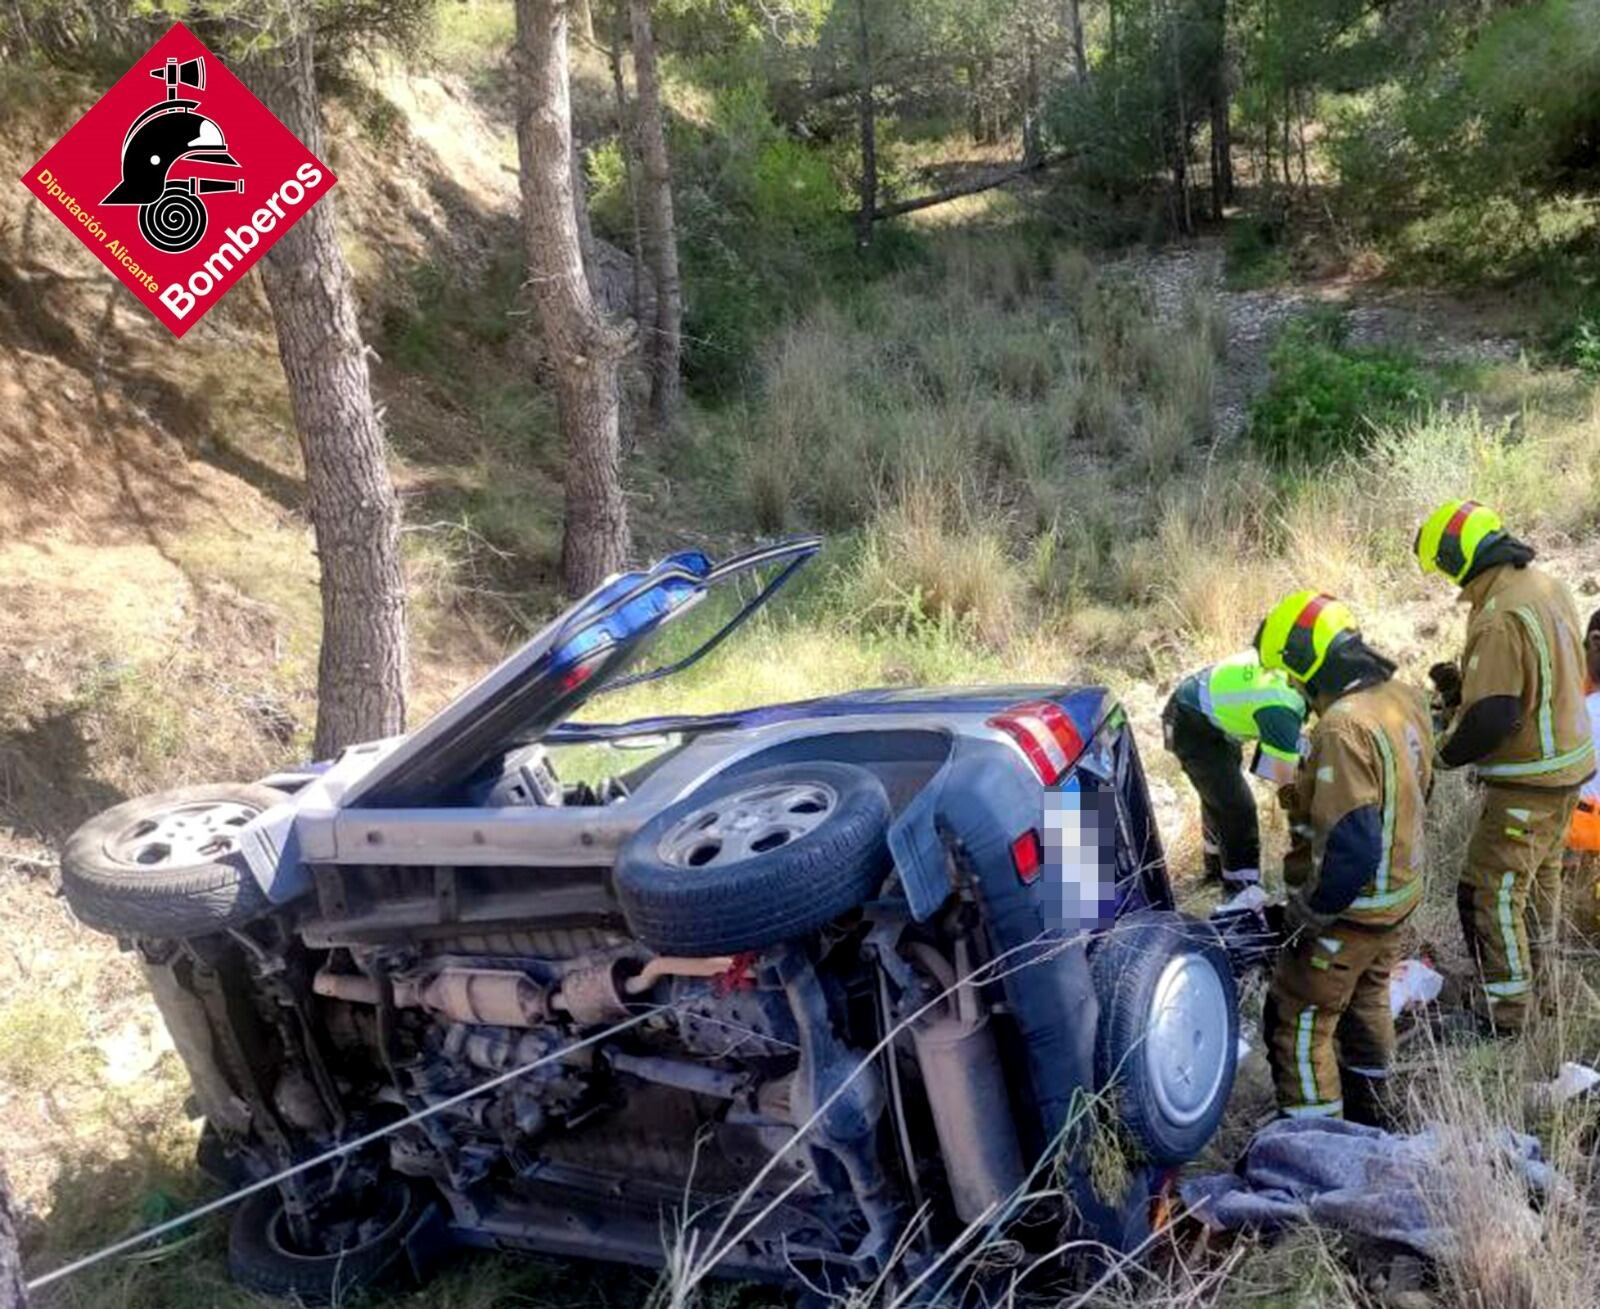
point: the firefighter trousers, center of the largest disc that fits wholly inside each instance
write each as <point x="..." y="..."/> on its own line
<point x="1214" y="762"/>
<point x="1328" y="1029"/>
<point x="1509" y="897"/>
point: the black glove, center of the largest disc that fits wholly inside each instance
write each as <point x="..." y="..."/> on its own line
<point x="1446" y="679"/>
<point x="1299" y="918"/>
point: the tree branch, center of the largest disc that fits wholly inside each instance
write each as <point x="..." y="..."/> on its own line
<point x="973" y="186"/>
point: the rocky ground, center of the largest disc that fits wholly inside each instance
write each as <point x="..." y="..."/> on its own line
<point x="1435" y="327"/>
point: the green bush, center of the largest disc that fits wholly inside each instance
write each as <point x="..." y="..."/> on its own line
<point x="1582" y="345"/>
<point x="1327" y="399"/>
<point x="762" y="228"/>
<point x="610" y="206"/>
<point x="794" y="190"/>
<point x="1255" y="253"/>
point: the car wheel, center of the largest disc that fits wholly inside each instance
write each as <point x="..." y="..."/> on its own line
<point x="167" y="865"/>
<point x="749" y="861"/>
<point x="354" y="1250"/>
<point x="1167" y="1044"/>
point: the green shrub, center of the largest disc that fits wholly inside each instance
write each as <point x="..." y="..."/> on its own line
<point x="762" y="228"/>
<point x="793" y="190"/>
<point x="1327" y="399"/>
<point x="1255" y="254"/>
<point x="1582" y="344"/>
<point x="610" y="206"/>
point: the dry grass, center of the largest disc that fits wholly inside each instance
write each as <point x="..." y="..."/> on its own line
<point x="1504" y="1252"/>
<point x="1203" y="573"/>
<point x="998" y="363"/>
<point x="931" y="558"/>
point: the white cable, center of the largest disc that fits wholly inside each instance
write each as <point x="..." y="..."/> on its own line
<point x="327" y="1156"/>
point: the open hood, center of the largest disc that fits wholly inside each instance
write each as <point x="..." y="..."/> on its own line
<point x="587" y="650"/>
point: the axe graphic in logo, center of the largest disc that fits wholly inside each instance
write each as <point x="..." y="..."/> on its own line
<point x="176" y="214"/>
<point x="172" y="217"/>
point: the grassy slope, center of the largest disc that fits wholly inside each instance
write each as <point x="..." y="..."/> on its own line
<point x="1015" y="454"/>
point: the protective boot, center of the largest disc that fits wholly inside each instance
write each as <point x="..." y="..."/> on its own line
<point x="1366" y="1099"/>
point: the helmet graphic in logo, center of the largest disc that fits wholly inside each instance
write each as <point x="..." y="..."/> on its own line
<point x="172" y="216"/>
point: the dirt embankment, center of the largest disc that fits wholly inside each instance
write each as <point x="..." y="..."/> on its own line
<point x="152" y="546"/>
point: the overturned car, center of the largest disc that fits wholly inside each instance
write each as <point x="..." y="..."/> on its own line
<point x="826" y="991"/>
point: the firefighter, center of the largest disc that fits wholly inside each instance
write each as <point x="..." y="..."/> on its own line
<point x="1355" y="864"/>
<point x="1212" y="715"/>
<point x="1582" y="871"/>
<point x="1521" y="723"/>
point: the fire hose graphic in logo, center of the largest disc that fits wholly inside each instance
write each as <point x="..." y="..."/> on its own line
<point x="204" y="182"/>
<point x="172" y="217"/>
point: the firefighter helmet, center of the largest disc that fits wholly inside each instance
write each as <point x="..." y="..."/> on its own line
<point x="171" y="215"/>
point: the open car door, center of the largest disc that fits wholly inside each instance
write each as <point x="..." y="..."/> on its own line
<point x="590" y="648"/>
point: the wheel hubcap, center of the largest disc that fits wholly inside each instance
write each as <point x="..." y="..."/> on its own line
<point x="747" y="823"/>
<point x="1186" y="1046"/>
<point x="185" y="834"/>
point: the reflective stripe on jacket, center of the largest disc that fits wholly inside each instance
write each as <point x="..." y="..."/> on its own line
<point x="1524" y="640"/>
<point x="1248" y="703"/>
<point x="1372" y="749"/>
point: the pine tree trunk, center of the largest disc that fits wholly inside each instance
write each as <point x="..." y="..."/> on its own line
<point x="1080" y="56"/>
<point x="1221" y="127"/>
<point x="630" y="147"/>
<point x="1180" y="146"/>
<point x="355" y="513"/>
<point x="1264" y="172"/>
<point x="13" y="1294"/>
<point x="868" y="113"/>
<point x="1300" y="128"/>
<point x="580" y="210"/>
<point x="584" y="350"/>
<point x="1032" y="133"/>
<point x="1288" y="151"/>
<point x="583" y="20"/>
<point x="664" y="350"/>
<point x="1221" y="155"/>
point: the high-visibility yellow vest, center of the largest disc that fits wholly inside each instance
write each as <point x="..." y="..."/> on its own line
<point x="1251" y="703"/>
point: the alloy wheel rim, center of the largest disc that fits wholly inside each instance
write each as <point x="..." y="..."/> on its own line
<point x="755" y="821"/>
<point x="182" y="835"/>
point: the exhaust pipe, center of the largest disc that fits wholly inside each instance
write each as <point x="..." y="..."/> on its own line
<point x="966" y="1091"/>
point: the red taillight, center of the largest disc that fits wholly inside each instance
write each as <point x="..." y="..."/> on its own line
<point x="1047" y="736"/>
<point x="1027" y="857"/>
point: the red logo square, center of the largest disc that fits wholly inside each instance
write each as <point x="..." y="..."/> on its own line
<point x="179" y="179"/>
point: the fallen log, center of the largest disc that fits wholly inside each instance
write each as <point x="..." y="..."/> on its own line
<point x="973" y="186"/>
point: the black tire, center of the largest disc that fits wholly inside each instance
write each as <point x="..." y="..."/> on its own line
<point x="776" y="894"/>
<point x="112" y="885"/>
<point x="263" y="1257"/>
<point x="1169" y="1124"/>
